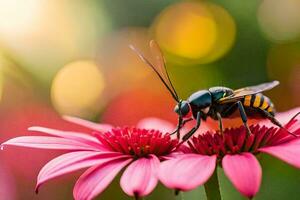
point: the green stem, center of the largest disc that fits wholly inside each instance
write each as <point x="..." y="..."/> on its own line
<point x="212" y="188"/>
<point x="178" y="196"/>
<point x="136" y="197"/>
<point x="139" y="198"/>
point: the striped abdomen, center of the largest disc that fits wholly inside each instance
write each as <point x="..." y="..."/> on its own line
<point x="259" y="101"/>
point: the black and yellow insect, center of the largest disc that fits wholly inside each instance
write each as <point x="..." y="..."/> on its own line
<point x="215" y="102"/>
<point x="223" y="102"/>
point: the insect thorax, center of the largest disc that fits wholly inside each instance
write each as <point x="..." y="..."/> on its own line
<point x="200" y="99"/>
<point x="220" y="92"/>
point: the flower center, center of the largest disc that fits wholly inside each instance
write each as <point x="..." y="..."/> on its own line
<point x="137" y="142"/>
<point x="236" y="140"/>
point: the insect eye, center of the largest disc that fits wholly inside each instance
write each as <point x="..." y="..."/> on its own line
<point x="176" y="109"/>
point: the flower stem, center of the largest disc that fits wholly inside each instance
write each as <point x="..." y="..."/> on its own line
<point x="136" y="197"/>
<point x="212" y="188"/>
<point x="178" y="196"/>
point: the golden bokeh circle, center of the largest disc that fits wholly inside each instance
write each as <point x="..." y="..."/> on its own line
<point x="194" y="32"/>
<point x="226" y="32"/>
<point x="77" y="89"/>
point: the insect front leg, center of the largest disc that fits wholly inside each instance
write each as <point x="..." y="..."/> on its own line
<point x="177" y="130"/>
<point x="220" y="122"/>
<point x="193" y="130"/>
<point x="243" y="116"/>
<point x="179" y="126"/>
<point x="185" y="121"/>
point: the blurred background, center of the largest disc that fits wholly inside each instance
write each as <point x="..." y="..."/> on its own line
<point x="71" y="57"/>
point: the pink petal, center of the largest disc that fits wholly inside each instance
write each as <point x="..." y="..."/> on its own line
<point x="44" y="142"/>
<point x="81" y="137"/>
<point x="93" y="181"/>
<point x="89" y="124"/>
<point x="140" y="177"/>
<point x="186" y="172"/>
<point x="73" y="161"/>
<point x="156" y="123"/>
<point x="244" y="171"/>
<point x="288" y="152"/>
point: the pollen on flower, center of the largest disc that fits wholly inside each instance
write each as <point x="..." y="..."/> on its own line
<point x="236" y="140"/>
<point x="137" y="142"/>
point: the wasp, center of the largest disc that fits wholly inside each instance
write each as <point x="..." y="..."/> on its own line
<point x="216" y="102"/>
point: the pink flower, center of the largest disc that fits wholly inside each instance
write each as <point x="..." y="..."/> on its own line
<point x="235" y="153"/>
<point x="105" y="154"/>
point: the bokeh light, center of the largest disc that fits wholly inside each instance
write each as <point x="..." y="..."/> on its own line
<point x="280" y="19"/>
<point x="77" y="89"/>
<point x="226" y="31"/>
<point x="197" y="32"/>
<point x="193" y="29"/>
<point x="45" y="34"/>
<point x="18" y="14"/>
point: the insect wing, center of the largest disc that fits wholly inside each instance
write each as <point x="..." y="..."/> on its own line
<point x="240" y="93"/>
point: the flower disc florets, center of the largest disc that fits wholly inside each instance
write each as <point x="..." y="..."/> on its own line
<point x="236" y="140"/>
<point x="137" y="142"/>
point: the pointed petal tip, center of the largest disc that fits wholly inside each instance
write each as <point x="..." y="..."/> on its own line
<point x="33" y="128"/>
<point x="6" y="143"/>
<point x="244" y="172"/>
<point x="2" y="146"/>
<point x="88" y="124"/>
<point x="36" y="190"/>
<point x="67" y="117"/>
<point x="71" y="119"/>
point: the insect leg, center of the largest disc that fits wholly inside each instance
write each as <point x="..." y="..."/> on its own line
<point x="193" y="130"/>
<point x="220" y="122"/>
<point x="177" y="130"/>
<point x="180" y="126"/>
<point x="243" y="116"/>
<point x="275" y="121"/>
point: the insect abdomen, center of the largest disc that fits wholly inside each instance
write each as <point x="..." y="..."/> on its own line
<point x="259" y="101"/>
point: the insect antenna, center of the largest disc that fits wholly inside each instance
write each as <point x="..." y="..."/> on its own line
<point x="155" y="49"/>
<point x="145" y="60"/>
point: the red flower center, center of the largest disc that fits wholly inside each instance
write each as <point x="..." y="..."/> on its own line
<point x="236" y="140"/>
<point x="137" y="142"/>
